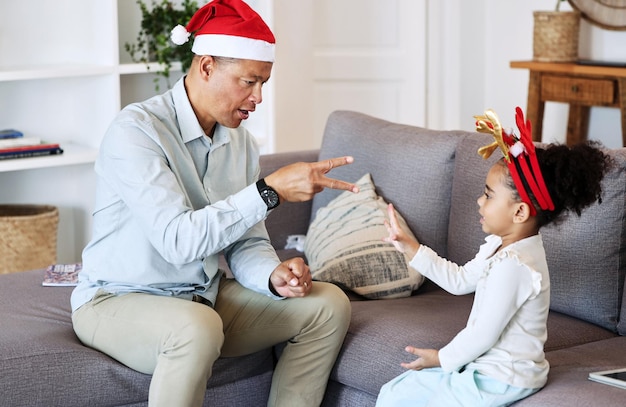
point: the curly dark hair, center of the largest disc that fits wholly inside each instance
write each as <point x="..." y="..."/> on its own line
<point x="573" y="176"/>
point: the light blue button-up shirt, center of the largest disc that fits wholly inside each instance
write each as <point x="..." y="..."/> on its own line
<point x="169" y="200"/>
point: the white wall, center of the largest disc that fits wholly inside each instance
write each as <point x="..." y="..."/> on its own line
<point x="471" y="46"/>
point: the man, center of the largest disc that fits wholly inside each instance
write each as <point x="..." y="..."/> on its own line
<point x="177" y="187"/>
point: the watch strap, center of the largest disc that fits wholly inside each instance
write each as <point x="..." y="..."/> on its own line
<point x="261" y="185"/>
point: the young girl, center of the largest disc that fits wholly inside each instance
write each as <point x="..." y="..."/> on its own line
<point x="498" y="357"/>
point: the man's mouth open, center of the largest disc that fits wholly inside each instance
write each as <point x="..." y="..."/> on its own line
<point x="244" y="114"/>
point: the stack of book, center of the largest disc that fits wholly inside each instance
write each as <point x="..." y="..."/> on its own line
<point x="13" y="144"/>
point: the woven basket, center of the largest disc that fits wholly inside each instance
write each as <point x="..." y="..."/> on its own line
<point x="28" y="237"/>
<point x="555" y="36"/>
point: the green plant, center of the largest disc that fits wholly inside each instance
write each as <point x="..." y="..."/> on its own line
<point x="153" y="40"/>
<point x="558" y="5"/>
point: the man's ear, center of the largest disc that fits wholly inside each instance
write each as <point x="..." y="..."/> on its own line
<point x="522" y="212"/>
<point x="206" y="66"/>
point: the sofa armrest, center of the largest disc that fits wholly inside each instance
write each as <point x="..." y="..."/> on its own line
<point x="289" y="218"/>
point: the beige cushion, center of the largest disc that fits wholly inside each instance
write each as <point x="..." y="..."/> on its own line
<point x="344" y="246"/>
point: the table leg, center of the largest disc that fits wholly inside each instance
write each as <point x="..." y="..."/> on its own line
<point x="577" y="124"/>
<point x="622" y="106"/>
<point x="535" y="106"/>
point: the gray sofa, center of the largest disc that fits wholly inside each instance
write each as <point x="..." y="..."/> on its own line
<point x="433" y="178"/>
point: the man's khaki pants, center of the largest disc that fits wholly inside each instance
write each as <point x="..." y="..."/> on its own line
<point x="177" y="341"/>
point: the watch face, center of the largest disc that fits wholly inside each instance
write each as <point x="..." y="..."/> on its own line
<point x="270" y="197"/>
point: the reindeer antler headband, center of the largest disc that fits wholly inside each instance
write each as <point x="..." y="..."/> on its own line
<point x="519" y="153"/>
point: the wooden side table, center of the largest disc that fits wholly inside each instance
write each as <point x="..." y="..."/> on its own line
<point x="582" y="86"/>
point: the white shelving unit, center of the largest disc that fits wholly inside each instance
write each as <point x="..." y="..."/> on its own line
<point x="59" y="81"/>
<point x="64" y="75"/>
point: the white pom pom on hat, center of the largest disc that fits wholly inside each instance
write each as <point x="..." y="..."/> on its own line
<point x="179" y="35"/>
<point x="228" y="28"/>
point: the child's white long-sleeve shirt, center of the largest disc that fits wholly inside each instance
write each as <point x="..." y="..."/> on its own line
<point x="506" y="329"/>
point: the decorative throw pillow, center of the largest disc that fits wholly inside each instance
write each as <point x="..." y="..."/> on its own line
<point x="344" y="246"/>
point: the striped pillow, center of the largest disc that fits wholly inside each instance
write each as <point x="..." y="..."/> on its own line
<point x="344" y="246"/>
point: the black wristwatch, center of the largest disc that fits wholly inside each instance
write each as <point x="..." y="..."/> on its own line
<point x="268" y="194"/>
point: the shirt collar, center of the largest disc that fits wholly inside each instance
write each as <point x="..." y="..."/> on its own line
<point x="190" y="128"/>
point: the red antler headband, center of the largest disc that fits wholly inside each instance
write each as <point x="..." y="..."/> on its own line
<point x="520" y="150"/>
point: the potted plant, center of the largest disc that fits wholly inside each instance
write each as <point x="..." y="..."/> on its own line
<point x="555" y="35"/>
<point x="153" y="40"/>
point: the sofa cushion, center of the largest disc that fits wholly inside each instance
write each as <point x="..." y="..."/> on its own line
<point x="568" y="383"/>
<point x="621" y="326"/>
<point x="586" y="256"/>
<point x="411" y="166"/>
<point x="465" y="233"/>
<point x="344" y="246"/>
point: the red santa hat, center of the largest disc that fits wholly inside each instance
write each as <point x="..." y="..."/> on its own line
<point x="228" y="28"/>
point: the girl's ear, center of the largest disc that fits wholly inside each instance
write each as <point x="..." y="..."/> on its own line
<point x="522" y="212"/>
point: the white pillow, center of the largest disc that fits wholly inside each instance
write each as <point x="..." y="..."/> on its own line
<point x="344" y="246"/>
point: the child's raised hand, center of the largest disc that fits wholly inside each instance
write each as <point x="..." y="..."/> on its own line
<point x="401" y="240"/>
<point x="426" y="358"/>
